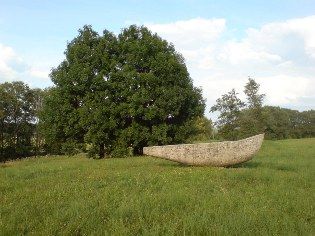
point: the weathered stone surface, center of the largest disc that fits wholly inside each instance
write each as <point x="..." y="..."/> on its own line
<point x="214" y="154"/>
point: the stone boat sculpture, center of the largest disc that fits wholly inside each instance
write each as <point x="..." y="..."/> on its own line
<point x="225" y="153"/>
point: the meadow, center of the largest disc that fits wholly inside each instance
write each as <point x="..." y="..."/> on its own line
<point x="274" y="194"/>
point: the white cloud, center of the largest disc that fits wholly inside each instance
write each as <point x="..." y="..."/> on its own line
<point x="196" y="39"/>
<point x="38" y="74"/>
<point x="288" y="37"/>
<point x="8" y="60"/>
<point x="191" y="34"/>
<point x="14" y="68"/>
<point x="280" y="56"/>
<point x="284" y="89"/>
<point x="292" y="39"/>
<point x="237" y="53"/>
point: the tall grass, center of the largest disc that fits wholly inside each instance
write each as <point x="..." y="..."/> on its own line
<point x="274" y="194"/>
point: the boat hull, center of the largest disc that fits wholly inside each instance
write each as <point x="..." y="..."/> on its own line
<point x="225" y="153"/>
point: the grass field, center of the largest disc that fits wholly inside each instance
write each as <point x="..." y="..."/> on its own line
<point x="274" y="194"/>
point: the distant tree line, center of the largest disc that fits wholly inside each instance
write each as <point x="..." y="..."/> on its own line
<point x="238" y="119"/>
<point x="283" y="123"/>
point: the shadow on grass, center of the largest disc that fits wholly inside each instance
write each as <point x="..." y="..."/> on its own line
<point x="273" y="166"/>
<point x="168" y="163"/>
<point x="247" y="165"/>
<point x="285" y="168"/>
<point x="175" y="164"/>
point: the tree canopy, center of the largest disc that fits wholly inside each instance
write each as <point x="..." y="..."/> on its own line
<point x="283" y="123"/>
<point x="238" y="119"/>
<point x="119" y="92"/>
<point x="229" y="106"/>
<point x="19" y="136"/>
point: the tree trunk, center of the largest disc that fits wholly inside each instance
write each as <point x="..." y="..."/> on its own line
<point x="37" y="140"/>
<point x="138" y="151"/>
<point x="102" y="150"/>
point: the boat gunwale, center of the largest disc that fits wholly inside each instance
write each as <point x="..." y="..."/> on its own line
<point x="217" y="142"/>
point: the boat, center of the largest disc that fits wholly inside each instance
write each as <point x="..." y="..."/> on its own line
<point x="220" y="154"/>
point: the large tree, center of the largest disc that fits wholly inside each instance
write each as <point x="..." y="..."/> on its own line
<point x="230" y="107"/>
<point x="122" y="92"/>
<point x="251" y="120"/>
<point x="254" y="99"/>
<point x="238" y="119"/>
<point x="17" y="120"/>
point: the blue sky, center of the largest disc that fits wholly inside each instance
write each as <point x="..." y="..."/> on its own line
<point x="223" y="42"/>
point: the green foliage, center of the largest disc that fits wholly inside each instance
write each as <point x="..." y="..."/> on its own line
<point x="229" y="106"/>
<point x="271" y="195"/>
<point x="238" y="119"/>
<point x="305" y="120"/>
<point x="122" y="92"/>
<point x="71" y="147"/>
<point x="282" y="123"/>
<point x="251" y="119"/>
<point x="19" y="107"/>
<point x="202" y="129"/>
<point x="254" y="99"/>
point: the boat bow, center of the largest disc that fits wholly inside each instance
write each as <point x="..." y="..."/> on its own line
<point x="225" y="153"/>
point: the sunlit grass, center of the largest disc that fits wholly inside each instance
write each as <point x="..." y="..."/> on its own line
<point x="274" y="194"/>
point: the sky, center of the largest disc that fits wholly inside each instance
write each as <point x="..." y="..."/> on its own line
<point x="223" y="42"/>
